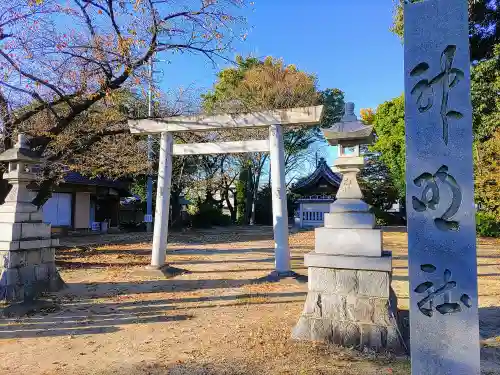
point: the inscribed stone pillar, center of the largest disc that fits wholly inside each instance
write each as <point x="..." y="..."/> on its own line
<point x="439" y="189"/>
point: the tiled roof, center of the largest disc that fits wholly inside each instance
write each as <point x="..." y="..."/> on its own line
<point x="323" y="170"/>
<point x="78" y="179"/>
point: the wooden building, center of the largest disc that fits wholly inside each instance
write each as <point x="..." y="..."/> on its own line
<point x="316" y="192"/>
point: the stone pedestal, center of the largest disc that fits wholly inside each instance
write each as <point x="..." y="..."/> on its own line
<point x="27" y="251"/>
<point x="350" y="301"/>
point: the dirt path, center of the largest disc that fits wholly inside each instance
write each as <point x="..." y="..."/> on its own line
<point x="214" y="320"/>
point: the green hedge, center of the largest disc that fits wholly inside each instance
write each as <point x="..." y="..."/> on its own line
<point x="487" y="224"/>
<point x="208" y="216"/>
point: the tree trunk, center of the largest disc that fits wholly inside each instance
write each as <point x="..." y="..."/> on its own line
<point x="176" y="221"/>
<point x="230" y="207"/>
<point x="249" y="196"/>
<point x="255" y="195"/>
<point x="402" y="207"/>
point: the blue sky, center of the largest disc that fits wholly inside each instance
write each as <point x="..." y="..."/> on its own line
<point x="347" y="44"/>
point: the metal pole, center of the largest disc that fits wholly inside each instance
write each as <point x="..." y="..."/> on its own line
<point x="149" y="185"/>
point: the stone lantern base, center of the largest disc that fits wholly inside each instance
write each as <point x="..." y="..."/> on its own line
<point x="349" y="302"/>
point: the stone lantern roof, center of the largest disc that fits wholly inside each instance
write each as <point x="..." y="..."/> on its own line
<point x="20" y="152"/>
<point x="349" y="131"/>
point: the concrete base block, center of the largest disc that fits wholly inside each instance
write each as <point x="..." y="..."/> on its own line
<point x="349" y="205"/>
<point x="383" y="263"/>
<point x="18" y="207"/>
<point x="24" y="231"/>
<point x="364" y="242"/>
<point x="350" y="220"/>
<point x="29" y="244"/>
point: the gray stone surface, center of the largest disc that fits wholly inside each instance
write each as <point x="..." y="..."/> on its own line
<point x="441" y="228"/>
<point x="365" y="220"/>
<point x="349" y="205"/>
<point x="48" y="255"/>
<point x="322" y="279"/>
<point x="346" y="281"/>
<point x="333" y="306"/>
<point x="383" y="263"/>
<point x="363" y="242"/>
<point x="338" y="311"/>
<point x="27" y="256"/>
<point x="359" y="309"/>
<point x="373" y="283"/>
<point x="28" y="244"/>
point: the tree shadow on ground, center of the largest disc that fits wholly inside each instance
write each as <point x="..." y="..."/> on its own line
<point x="112" y="288"/>
<point x="65" y="262"/>
<point x="86" y="316"/>
<point x="216" y="235"/>
<point x="304" y="358"/>
<point x="232" y="367"/>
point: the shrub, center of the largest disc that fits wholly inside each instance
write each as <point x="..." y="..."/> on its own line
<point x="209" y="215"/>
<point x="264" y="206"/>
<point x="384" y="218"/>
<point x="132" y="226"/>
<point x="487" y="224"/>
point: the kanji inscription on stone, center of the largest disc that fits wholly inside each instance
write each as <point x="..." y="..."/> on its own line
<point x="435" y="292"/>
<point x="430" y="198"/>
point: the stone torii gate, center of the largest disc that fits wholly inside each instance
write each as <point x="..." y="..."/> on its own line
<point x="273" y="119"/>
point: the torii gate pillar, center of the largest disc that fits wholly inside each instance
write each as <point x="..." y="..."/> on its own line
<point x="163" y="189"/>
<point x="278" y="193"/>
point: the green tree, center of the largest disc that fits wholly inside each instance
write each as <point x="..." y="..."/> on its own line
<point x="375" y="179"/>
<point x="485" y="89"/>
<point x="389" y="126"/>
<point x="254" y="85"/>
<point x="242" y="188"/>
<point x="377" y="184"/>
<point x="333" y="102"/>
<point x="484" y="26"/>
<point x="487" y="175"/>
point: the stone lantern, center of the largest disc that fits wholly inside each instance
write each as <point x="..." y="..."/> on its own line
<point x="27" y="251"/>
<point x="349" y="301"/>
<point x="349" y="133"/>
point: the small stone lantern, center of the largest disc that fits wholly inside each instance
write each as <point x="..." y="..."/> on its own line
<point x="350" y="133"/>
<point x="349" y="301"/>
<point x="27" y="251"/>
